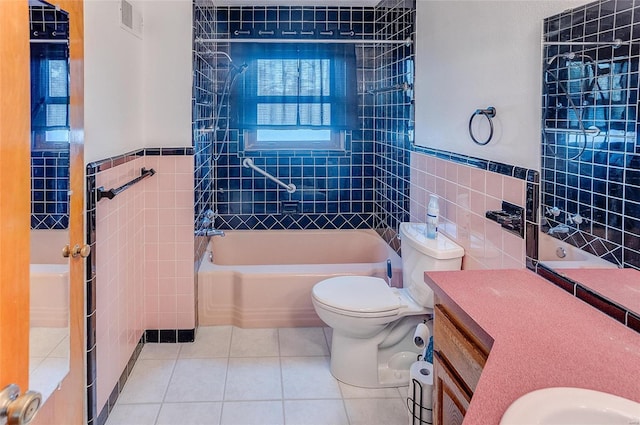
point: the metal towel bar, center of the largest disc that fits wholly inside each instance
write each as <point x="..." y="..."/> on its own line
<point x="111" y="193"/>
<point x="248" y="162"/>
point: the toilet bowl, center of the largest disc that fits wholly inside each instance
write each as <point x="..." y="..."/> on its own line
<point x="373" y="324"/>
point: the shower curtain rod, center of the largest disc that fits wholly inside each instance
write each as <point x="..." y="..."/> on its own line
<point x="407" y="42"/>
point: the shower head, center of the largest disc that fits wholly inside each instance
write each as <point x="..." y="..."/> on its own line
<point x="239" y="69"/>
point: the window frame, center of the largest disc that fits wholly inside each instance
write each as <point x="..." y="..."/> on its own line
<point x="39" y="141"/>
<point x="337" y="99"/>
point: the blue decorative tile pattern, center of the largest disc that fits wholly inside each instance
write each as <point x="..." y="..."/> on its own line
<point x="49" y="189"/>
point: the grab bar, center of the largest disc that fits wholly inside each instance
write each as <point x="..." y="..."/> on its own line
<point x="111" y="193"/>
<point x="591" y="131"/>
<point x="248" y="162"/>
<point x="397" y="87"/>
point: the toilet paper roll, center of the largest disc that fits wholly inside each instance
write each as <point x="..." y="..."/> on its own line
<point x="421" y="335"/>
<point x="420" y="395"/>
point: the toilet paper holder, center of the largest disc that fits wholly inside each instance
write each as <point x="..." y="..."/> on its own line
<point x="417" y="414"/>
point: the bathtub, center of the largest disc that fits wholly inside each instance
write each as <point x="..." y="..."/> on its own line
<point x="263" y="278"/>
<point x="49" y="293"/>
<point x="556" y="254"/>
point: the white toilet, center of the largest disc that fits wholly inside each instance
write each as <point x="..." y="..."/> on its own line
<point x="373" y="324"/>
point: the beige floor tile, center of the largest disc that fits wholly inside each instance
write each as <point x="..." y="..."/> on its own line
<point x="197" y="380"/>
<point x="315" y="412"/>
<point x="133" y="414"/>
<point x="302" y="342"/>
<point x="389" y="411"/>
<point x="159" y="352"/>
<point x="190" y="414"/>
<point x="148" y="382"/>
<point x="252" y="413"/>
<point x="254" y="343"/>
<point x="211" y="341"/>
<point x="253" y="379"/>
<point x="308" y="378"/>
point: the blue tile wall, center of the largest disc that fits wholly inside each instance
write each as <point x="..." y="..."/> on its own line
<point x="203" y="95"/>
<point x="595" y="176"/>
<point x="335" y="189"/>
<point x="49" y="189"/>
<point x="393" y="117"/>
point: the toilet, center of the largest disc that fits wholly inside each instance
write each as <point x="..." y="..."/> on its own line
<point x="373" y="323"/>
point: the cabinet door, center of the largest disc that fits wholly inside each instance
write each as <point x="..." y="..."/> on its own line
<point x="452" y="400"/>
<point x="459" y="348"/>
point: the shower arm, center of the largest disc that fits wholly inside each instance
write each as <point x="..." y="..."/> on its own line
<point x="248" y="163"/>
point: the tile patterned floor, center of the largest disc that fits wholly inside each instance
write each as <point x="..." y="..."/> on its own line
<point x="233" y="376"/>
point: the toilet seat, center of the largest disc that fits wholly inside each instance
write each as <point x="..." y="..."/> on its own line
<point x="358" y="296"/>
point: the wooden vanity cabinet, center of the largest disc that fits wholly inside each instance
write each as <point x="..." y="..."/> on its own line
<point x="458" y="360"/>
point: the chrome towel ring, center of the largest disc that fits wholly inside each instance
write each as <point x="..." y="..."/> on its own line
<point x="490" y="112"/>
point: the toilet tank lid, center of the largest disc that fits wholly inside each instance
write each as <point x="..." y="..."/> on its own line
<point x="363" y="294"/>
<point x="441" y="248"/>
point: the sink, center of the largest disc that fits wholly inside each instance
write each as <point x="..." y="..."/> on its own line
<point x="571" y="406"/>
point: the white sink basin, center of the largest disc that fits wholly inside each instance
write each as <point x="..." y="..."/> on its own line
<point x="571" y="406"/>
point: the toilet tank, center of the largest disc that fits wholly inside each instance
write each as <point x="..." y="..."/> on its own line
<point x="420" y="254"/>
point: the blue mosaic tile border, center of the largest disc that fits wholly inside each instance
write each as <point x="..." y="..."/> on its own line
<point x="49" y="189"/>
<point x="297" y="221"/>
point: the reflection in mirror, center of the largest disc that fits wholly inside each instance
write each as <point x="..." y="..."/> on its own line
<point x="49" y="278"/>
<point x="590" y="177"/>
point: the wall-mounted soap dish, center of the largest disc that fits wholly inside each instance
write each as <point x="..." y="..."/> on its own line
<point x="510" y="217"/>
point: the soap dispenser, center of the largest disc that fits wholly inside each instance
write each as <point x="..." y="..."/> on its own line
<point x="433" y="212"/>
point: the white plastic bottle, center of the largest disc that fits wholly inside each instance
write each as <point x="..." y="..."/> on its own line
<point x="433" y="212"/>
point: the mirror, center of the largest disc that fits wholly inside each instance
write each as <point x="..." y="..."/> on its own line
<point x="590" y="163"/>
<point x="49" y="277"/>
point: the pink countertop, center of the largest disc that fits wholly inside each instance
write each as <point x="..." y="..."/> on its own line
<point x="542" y="337"/>
<point x="621" y="286"/>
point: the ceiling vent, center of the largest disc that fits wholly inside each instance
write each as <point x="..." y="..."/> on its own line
<point x="130" y="18"/>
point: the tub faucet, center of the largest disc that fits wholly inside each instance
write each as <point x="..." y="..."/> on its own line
<point x="560" y="228"/>
<point x="206" y="228"/>
<point x="209" y="232"/>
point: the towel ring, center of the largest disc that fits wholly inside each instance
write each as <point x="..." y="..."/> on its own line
<point x="490" y="112"/>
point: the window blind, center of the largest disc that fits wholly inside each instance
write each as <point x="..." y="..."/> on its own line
<point x="289" y="86"/>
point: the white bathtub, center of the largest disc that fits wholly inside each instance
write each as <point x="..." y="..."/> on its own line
<point x="49" y="304"/>
<point x="550" y="251"/>
<point x="263" y="278"/>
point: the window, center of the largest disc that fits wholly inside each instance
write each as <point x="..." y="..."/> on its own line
<point x="295" y="96"/>
<point x="49" y="96"/>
